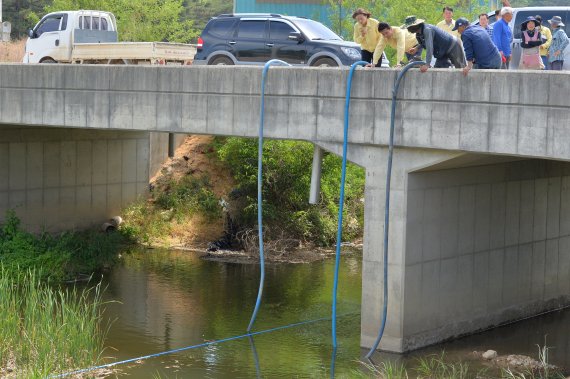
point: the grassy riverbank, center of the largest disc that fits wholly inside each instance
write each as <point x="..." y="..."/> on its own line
<point x="208" y="191"/>
<point x="45" y="330"/>
<point x="61" y="257"/>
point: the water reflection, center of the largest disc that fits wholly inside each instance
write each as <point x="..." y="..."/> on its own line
<point x="174" y="299"/>
<point x="170" y="300"/>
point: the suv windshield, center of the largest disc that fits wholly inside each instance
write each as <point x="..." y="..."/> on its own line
<point x="315" y="30"/>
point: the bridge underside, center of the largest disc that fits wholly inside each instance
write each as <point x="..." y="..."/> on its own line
<point x="475" y="241"/>
<point x="60" y="179"/>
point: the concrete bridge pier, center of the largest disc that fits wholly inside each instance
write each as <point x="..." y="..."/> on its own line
<point x="475" y="241"/>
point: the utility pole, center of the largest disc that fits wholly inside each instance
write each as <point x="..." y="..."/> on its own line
<point x="0" y="11"/>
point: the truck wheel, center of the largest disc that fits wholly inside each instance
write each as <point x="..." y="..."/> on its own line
<point x="48" y="60"/>
<point x="324" y="62"/>
<point x="221" y="61"/>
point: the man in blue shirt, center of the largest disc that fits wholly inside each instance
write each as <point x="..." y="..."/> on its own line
<point x="480" y="51"/>
<point x="502" y="35"/>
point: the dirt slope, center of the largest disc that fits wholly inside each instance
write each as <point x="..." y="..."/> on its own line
<point x="195" y="157"/>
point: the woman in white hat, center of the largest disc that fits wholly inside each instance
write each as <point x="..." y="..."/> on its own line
<point x="559" y="43"/>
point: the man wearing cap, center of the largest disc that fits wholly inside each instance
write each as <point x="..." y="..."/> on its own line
<point x="439" y="44"/>
<point x="480" y="51"/>
<point x="559" y="43"/>
<point x="503" y="36"/>
<point x="400" y="39"/>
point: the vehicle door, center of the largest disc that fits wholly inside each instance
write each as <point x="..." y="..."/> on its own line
<point x="249" y="44"/>
<point x="284" y="48"/>
<point x="518" y="18"/>
<point x="50" y="38"/>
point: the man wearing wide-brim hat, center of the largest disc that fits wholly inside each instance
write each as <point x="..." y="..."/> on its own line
<point x="559" y="43"/>
<point x="440" y="45"/>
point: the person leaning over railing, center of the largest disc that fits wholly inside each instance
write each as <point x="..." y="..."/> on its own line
<point x="366" y="34"/>
<point x="442" y="46"/>
<point x="480" y="51"/>
<point x="403" y="41"/>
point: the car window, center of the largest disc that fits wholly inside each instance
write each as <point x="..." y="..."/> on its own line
<point x="316" y="31"/>
<point x="95" y="25"/>
<point x="221" y="27"/>
<point x="85" y="22"/>
<point x="279" y="30"/>
<point x="49" y="24"/>
<point x="546" y="15"/>
<point x="104" y="24"/>
<point x="254" y="29"/>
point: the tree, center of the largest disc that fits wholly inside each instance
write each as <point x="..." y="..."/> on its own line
<point x="141" y="20"/>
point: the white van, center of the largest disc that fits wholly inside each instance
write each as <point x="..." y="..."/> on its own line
<point x="90" y="36"/>
<point x="520" y="15"/>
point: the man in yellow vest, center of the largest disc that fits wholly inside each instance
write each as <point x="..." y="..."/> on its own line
<point x="366" y="34"/>
<point x="400" y="39"/>
<point x="448" y="23"/>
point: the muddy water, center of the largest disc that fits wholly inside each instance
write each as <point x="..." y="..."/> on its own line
<point x="168" y="300"/>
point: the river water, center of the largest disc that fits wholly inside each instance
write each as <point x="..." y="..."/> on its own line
<point x="164" y="300"/>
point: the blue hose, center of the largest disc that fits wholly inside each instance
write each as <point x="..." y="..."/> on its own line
<point x="272" y="62"/>
<point x="341" y="199"/>
<point x="401" y="75"/>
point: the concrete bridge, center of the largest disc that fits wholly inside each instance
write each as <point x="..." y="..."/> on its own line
<point x="480" y="230"/>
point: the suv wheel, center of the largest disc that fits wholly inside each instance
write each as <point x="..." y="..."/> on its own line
<point x="325" y="62"/>
<point x="224" y="61"/>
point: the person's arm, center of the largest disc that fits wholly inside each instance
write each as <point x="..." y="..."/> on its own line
<point x="358" y="38"/>
<point x="527" y="44"/>
<point x="400" y="47"/>
<point x="428" y="38"/>
<point x="467" y="47"/>
<point x="379" y="50"/>
<point x="497" y="36"/>
<point x="561" y="44"/>
<point x="506" y="42"/>
<point x="548" y="35"/>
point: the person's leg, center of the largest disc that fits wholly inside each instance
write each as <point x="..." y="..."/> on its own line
<point x="366" y="56"/>
<point x="545" y="62"/>
<point x="556" y="65"/>
<point x="379" y="64"/>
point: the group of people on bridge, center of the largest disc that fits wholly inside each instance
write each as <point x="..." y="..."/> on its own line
<point x="460" y="44"/>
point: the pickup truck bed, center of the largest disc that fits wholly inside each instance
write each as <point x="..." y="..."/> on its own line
<point x="133" y="52"/>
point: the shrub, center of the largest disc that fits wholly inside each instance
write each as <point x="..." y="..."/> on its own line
<point x="61" y="257"/>
<point x="286" y="183"/>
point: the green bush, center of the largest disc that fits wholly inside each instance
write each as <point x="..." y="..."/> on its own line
<point x="189" y="195"/>
<point x="146" y="221"/>
<point x="286" y="183"/>
<point x="60" y="257"/>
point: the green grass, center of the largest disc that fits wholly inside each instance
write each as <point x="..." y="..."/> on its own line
<point x="175" y="200"/>
<point x="46" y="330"/>
<point x="60" y="257"/>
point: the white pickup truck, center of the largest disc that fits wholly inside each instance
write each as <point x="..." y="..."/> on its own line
<point x="91" y="37"/>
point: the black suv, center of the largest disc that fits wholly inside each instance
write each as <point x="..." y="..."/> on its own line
<point x="256" y="38"/>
